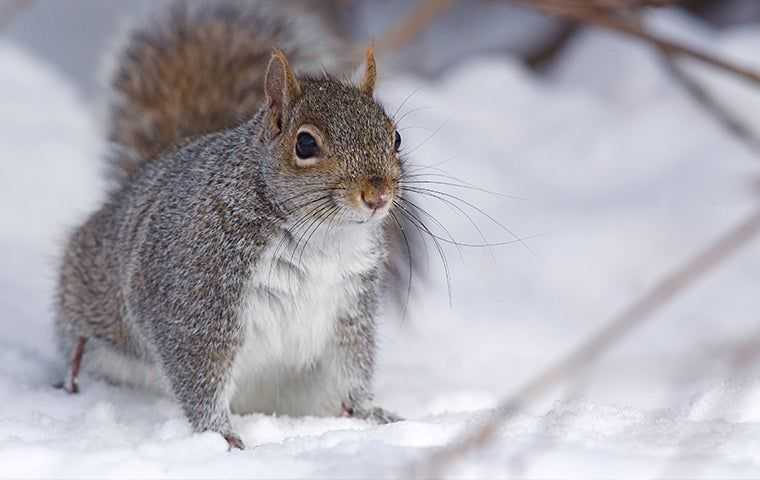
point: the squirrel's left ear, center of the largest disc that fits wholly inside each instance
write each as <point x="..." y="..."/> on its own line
<point x="367" y="85"/>
<point x="280" y="86"/>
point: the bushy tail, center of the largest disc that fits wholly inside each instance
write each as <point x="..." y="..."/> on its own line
<point x="199" y="68"/>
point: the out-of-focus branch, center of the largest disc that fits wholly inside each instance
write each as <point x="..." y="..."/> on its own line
<point x="10" y="9"/>
<point x="572" y="7"/>
<point x="608" y="14"/>
<point x="711" y="105"/>
<point x="553" y="48"/>
<point x="637" y="313"/>
<point x="602" y="13"/>
<point x="418" y="20"/>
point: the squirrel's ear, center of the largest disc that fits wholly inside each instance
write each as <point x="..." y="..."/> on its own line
<point x="367" y="85"/>
<point x="280" y="85"/>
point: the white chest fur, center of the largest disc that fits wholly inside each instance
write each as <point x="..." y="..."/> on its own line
<point x="290" y="307"/>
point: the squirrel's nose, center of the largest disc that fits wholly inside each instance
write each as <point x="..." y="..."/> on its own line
<point x="376" y="195"/>
<point x="376" y="199"/>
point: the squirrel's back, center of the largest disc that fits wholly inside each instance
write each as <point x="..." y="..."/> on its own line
<point x="203" y="273"/>
<point x="199" y="68"/>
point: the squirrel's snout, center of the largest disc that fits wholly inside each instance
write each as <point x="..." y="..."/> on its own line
<point x="375" y="201"/>
<point x="376" y="193"/>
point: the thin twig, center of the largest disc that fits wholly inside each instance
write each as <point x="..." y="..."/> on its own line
<point x="9" y="10"/>
<point x="587" y="13"/>
<point x="711" y="105"/>
<point x="559" y="7"/>
<point x="639" y="311"/>
<point x="553" y="47"/>
<point x="542" y="442"/>
<point x="418" y="20"/>
<point x="704" y="98"/>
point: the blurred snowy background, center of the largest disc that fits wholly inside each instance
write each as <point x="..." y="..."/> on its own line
<point x="606" y="166"/>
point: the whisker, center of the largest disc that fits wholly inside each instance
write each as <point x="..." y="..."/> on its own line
<point x="411" y="268"/>
<point x="424" y="142"/>
<point x="431" y="234"/>
<point x="313" y="191"/>
<point x="456" y="185"/>
<point x="441" y="174"/>
<point x="303" y="232"/>
<point x="414" y="127"/>
<point x="308" y="202"/>
<point x="486" y="243"/>
<point x="398" y="109"/>
<point x="293" y="230"/>
<point x="409" y="112"/>
<point x="442" y="226"/>
<point x="323" y="219"/>
<point x="435" y="194"/>
<point x="441" y="252"/>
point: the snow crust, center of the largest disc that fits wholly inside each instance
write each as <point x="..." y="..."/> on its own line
<point x="615" y="177"/>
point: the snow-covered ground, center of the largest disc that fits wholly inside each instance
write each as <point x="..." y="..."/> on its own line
<point x="617" y="177"/>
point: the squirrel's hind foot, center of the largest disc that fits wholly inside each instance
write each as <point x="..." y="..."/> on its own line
<point x="67" y="386"/>
<point x="71" y="383"/>
<point x="377" y="415"/>
<point x="233" y="442"/>
<point x="382" y="416"/>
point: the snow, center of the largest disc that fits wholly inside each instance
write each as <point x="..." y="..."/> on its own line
<point x="617" y="177"/>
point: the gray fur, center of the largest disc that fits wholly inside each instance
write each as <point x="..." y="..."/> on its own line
<point x="165" y="278"/>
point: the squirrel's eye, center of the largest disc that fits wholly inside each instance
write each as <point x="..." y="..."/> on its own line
<point x="306" y="146"/>
<point x="397" y="144"/>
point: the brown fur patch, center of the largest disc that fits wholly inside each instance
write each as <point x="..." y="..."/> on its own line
<point x="370" y="74"/>
<point x="197" y="76"/>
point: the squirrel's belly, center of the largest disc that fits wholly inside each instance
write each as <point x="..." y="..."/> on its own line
<point x="290" y="316"/>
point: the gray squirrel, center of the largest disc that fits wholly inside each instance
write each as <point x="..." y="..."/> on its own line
<point x="237" y="262"/>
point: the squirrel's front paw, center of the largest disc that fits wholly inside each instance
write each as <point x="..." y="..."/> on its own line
<point x="373" y="414"/>
<point x="233" y="441"/>
<point x="383" y="416"/>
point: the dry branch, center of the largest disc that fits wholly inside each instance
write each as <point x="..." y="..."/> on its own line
<point x="711" y="105"/>
<point x="637" y="313"/>
<point x="553" y="48"/>
<point x="571" y="7"/>
<point x="606" y="14"/>
<point x="418" y="20"/>
<point x="597" y="14"/>
<point x="10" y="9"/>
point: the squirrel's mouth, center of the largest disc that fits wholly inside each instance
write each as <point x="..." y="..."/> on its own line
<point x="358" y="216"/>
<point x="370" y="214"/>
<point x="371" y="200"/>
<point x="370" y="219"/>
<point x="374" y="216"/>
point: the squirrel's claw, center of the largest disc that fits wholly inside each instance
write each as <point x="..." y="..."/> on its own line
<point x="69" y="386"/>
<point x="373" y="414"/>
<point x="383" y="416"/>
<point x="233" y="441"/>
<point x="71" y="383"/>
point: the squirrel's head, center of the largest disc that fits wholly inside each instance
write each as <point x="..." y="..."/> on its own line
<point x="337" y="151"/>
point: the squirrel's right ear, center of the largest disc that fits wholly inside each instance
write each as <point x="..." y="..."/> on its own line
<point x="367" y="85"/>
<point x="281" y="87"/>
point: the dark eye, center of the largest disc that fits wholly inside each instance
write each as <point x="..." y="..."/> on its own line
<point x="397" y="143"/>
<point x="306" y="146"/>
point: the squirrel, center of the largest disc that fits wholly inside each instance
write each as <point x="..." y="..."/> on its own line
<point x="238" y="261"/>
